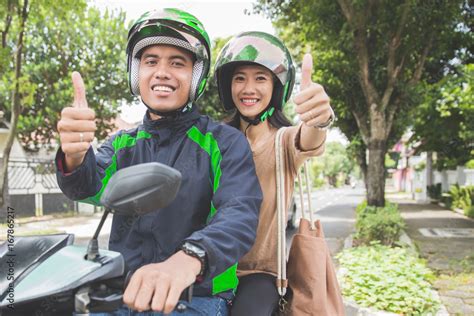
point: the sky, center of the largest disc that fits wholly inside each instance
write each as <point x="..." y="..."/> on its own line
<point x="221" y="19"/>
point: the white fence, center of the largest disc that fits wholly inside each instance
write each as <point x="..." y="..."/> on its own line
<point x="447" y="178"/>
<point x="33" y="187"/>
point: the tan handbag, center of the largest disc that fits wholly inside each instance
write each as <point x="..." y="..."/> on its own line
<point x="312" y="280"/>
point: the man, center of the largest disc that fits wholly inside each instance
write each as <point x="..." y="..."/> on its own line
<point x="201" y="235"/>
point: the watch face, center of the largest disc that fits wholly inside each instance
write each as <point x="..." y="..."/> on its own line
<point x="195" y="249"/>
<point x="327" y="124"/>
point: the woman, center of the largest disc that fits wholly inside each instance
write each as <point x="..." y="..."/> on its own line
<point x="255" y="76"/>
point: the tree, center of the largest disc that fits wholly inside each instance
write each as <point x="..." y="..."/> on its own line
<point x="444" y="121"/>
<point x="334" y="164"/>
<point x="50" y="40"/>
<point x="370" y="56"/>
<point x="87" y="41"/>
<point x="15" y="15"/>
<point x="209" y="103"/>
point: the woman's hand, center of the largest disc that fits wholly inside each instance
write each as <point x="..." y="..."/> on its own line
<point x="312" y="103"/>
<point x="313" y="107"/>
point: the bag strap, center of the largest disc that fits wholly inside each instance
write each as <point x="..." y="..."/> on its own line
<point x="309" y="185"/>
<point x="282" y="281"/>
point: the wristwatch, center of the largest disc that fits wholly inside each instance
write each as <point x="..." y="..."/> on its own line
<point x="328" y="123"/>
<point x="198" y="253"/>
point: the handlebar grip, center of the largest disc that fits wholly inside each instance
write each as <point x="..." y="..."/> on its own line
<point x="128" y="277"/>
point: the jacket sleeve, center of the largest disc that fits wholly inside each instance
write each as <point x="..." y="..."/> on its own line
<point x="231" y="231"/>
<point x="295" y="156"/>
<point x="86" y="182"/>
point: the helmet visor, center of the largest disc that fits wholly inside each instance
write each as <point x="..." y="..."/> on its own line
<point x="165" y="28"/>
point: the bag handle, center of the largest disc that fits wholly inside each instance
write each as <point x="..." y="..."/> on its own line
<point x="282" y="281"/>
<point x="309" y="185"/>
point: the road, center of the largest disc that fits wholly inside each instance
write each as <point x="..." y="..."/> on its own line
<point x="336" y="210"/>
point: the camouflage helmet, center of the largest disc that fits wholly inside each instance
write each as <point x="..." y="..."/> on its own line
<point x="170" y="27"/>
<point x="261" y="49"/>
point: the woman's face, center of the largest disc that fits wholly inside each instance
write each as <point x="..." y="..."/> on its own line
<point x="252" y="88"/>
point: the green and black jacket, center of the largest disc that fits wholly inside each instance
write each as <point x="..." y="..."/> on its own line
<point x="216" y="207"/>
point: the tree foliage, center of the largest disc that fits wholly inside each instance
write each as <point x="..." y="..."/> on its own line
<point x="334" y="163"/>
<point x="209" y="103"/>
<point x="444" y="120"/>
<point x="42" y="42"/>
<point x="371" y="56"/>
<point x="81" y="39"/>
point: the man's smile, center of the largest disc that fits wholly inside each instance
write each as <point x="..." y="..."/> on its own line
<point x="162" y="90"/>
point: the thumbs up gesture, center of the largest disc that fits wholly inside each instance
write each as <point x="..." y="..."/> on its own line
<point x="312" y="102"/>
<point x="76" y="126"/>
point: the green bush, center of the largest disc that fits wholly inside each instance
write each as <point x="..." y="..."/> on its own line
<point x="388" y="279"/>
<point x="360" y="207"/>
<point x="383" y="224"/>
<point x="318" y="183"/>
<point x="469" y="212"/>
<point x="434" y="191"/>
<point x="420" y="166"/>
<point x="462" y="197"/>
<point x="470" y="164"/>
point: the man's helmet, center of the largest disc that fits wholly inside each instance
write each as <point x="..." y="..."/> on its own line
<point x="258" y="48"/>
<point x="170" y="27"/>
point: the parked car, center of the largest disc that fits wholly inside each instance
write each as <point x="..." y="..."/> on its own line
<point x="292" y="218"/>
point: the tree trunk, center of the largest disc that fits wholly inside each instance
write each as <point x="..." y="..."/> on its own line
<point x="5" y="198"/>
<point x="15" y="113"/>
<point x="361" y="159"/>
<point x="429" y="168"/>
<point x="376" y="174"/>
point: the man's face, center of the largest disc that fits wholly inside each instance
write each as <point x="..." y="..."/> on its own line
<point x="165" y="77"/>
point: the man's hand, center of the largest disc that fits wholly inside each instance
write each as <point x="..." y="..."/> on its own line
<point x="77" y="126"/>
<point x="312" y="103"/>
<point x="158" y="286"/>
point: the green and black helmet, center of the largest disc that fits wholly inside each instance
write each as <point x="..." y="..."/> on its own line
<point x="261" y="49"/>
<point x="170" y="27"/>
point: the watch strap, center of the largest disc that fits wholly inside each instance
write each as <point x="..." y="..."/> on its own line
<point x="196" y="252"/>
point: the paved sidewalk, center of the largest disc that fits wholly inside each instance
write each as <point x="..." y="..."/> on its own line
<point x="446" y="240"/>
<point x="82" y="226"/>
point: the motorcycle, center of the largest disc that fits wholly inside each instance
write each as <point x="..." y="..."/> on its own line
<point x="49" y="275"/>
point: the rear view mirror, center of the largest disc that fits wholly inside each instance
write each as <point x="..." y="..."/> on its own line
<point x="141" y="189"/>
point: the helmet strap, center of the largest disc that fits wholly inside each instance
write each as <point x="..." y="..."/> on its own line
<point x="261" y="117"/>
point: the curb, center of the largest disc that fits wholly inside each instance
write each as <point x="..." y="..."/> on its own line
<point x="352" y="309"/>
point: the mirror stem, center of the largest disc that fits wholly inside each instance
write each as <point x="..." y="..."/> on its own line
<point x="93" y="247"/>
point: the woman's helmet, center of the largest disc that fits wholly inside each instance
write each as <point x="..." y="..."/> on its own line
<point x="170" y="27"/>
<point x="258" y="48"/>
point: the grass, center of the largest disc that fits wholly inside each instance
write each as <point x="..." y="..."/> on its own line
<point x="388" y="279"/>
